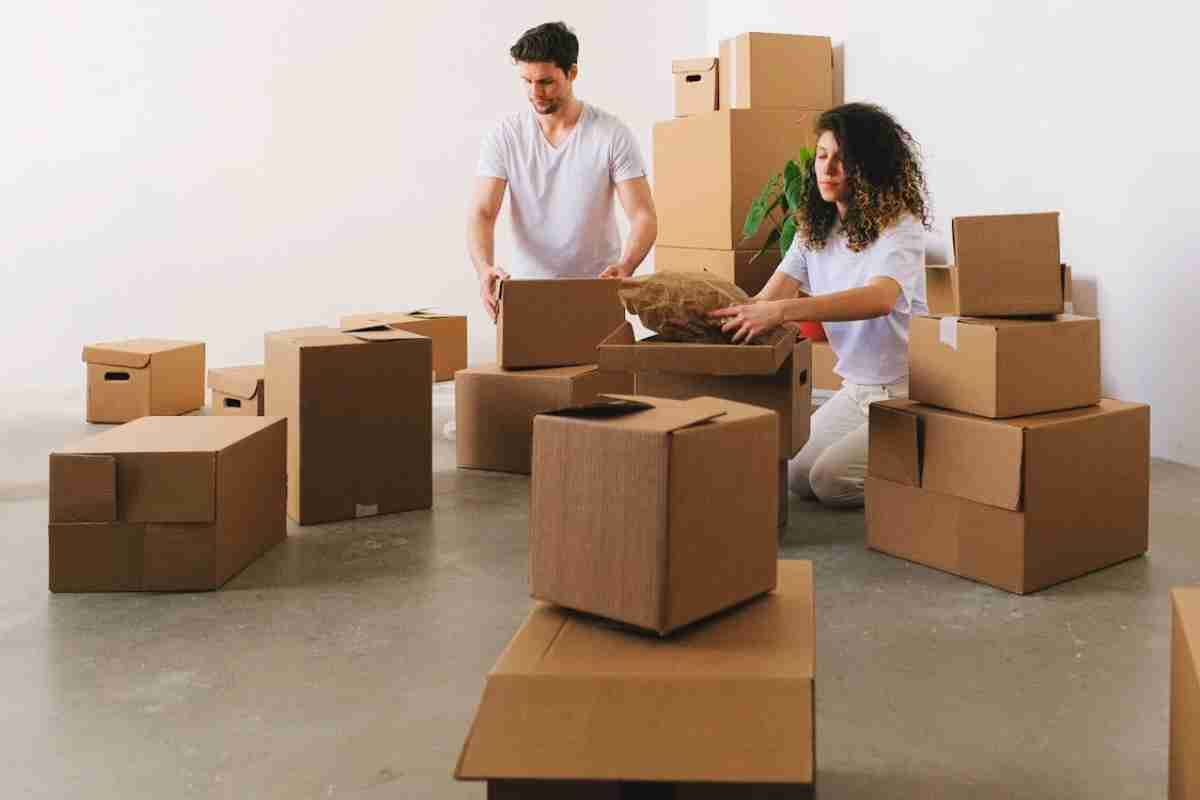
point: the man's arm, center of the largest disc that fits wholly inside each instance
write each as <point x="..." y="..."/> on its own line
<point x="638" y="204"/>
<point x="486" y="200"/>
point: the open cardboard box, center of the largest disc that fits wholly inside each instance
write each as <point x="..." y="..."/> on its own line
<point x="447" y="331"/>
<point x="739" y="267"/>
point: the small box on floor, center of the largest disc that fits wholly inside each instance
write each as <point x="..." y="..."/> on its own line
<point x="447" y="331"/>
<point x="724" y="709"/>
<point x="739" y="267"/>
<point x="494" y="409"/>
<point x="695" y="82"/>
<point x="360" y="420"/>
<point x="1004" y="367"/>
<point x="654" y="512"/>
<point x="776" y="70"/>
<point x="1184" y="753"/>
<point x="143" y="377"/>
<point x="555" y="322"/>
<point x="237" y="391"/>
<point x="1020" y="504"/>
<point x="166" y="504"/>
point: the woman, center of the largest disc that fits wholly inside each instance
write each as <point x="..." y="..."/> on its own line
<point x="857" y="265"/>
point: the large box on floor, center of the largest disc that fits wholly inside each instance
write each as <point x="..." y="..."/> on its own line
<point x="654" y="512"/>
<point x="143" y="377"/>
<point x="494" y="409"/>
<point x="237" y="391"/>
<point x="360" y="420"/>
<point x="1184" y="758"/>
<point x="739" y="267"/>
<point x="1004" y="367"/>
<point x="1019" y="503"/>
<point x="695" y="81"/>
<point x="776" y="70"/>
<point x="447" y="331"/>
<point x="166" y="503"/>
<point x="823" y="362"/>
<point x="732" y="155"/>
<point x="773" y="375"/>
<point x="725" y="709"/>
<point x="555" y="322"/>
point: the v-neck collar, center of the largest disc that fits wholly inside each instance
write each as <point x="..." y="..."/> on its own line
<point x="574" y="130"/>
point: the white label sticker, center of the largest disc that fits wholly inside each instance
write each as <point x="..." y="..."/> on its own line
<point x="365" y="511"/>
<point x="948" y="332"/>
<point x="1068" y="307"/>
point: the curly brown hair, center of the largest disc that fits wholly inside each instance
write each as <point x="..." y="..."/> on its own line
<point x="883" y="165"/>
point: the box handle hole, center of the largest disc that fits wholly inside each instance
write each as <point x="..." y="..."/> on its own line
<point x="116" y="376"/>
<point x="803" y="377"/>
<point x="231" y="402"/>
<point x="692" y="78"/>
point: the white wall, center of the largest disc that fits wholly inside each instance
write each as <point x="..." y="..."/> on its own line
<point x="221" y="169"/>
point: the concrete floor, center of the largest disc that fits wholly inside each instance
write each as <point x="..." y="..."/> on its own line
<point x="347" y="662"/>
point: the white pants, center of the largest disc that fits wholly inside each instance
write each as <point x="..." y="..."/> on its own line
<point x="832" y="466"/>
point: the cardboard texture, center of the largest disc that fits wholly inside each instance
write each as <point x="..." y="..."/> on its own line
<point x="621" y="351"/>
<point x="658" y="517"/>
<point x="447" y="331"/>
<point x="943" y="294"/>
<point x="166" y="504"/>
<point x="1184" y="752"/>
<point x="494" y="409"/>
<point x="773" y="70"/>
<point x="238" y="391"/>
<point x="724" y="709"/>
<point x="784" y="492"/>
<point x="729" y="265"/>
<point x="555" y="322"/>
<point x="732" y="154"/>
<point x="360" y="419"/>
<point x="143" y="377"/>
<point x="1020" y="504"/>
<point x="1004" y="367"/>
<point x="695" y="82"/>
<point x="823" y="362"/>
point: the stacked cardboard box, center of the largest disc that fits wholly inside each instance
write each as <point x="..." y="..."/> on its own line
<point x="447" y="332"/>
<point x="237" y="391"/>
<point x="1005" y="465"/>
<point x="1184" y="758"/>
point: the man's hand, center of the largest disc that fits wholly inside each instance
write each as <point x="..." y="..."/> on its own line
<point x="489" y="289"/>
<point x="616" y="271"/>
<point x="750" y="320"/>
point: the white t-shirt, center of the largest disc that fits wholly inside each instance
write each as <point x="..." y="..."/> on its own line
<point x="561" y="198"/>
<point x="870" y="351"/>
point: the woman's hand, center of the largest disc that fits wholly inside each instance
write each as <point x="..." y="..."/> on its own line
<point x="750" y="320"/>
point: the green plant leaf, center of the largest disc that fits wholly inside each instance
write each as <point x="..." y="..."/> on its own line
<point x="767" y="245"/>
<point x="787" y="232"/>
<point x="791" y="172"/>
<point x="794" y="192"/>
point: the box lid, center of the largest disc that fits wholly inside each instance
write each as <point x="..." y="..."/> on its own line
<point x="240" y="382"/>
<point x="683" y="66"/>
<point x="185" y="434"/>
<point x="728" y="699"/>
<point x="320" y="336"/>
<point x="133" y="353"/>
<point x="378" y="320"/>
<point x="644" y="414"/>
<point x="620" y="351"/>
<point x="540" y="373"/>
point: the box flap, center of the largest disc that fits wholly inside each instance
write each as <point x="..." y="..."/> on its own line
<point x="683" y="66"/>
<point x="895" y="436"/>
<point x="320" y="336"/>
<point x="83" y="488"/>
<point x="649" y="414"/>
<point x="972" y="457"/>
<point x="621" y="352"/>
<point x="240" y="382"/>
<point x="381" y="320"/>
<point x="134" y="353"/>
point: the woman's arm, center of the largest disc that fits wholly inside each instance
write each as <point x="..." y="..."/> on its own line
<point x="781" y="286"/>
<point x="875" y="299"/>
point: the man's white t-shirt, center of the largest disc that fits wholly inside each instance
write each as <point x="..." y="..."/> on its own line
<point x="870" y="351"/>
<point x="561" y="198"/>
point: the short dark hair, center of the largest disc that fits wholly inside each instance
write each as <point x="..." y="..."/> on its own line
<point x="551" y="42"/>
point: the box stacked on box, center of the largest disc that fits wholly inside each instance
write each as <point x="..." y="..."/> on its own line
<point x="237" y="391"/>
<point x="447" y="332"/>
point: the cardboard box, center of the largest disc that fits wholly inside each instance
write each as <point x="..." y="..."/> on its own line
<point x="143" y="377"/>
<point x="772" y="375"/>
<point x="555" y="322"/>
<point x="237" y="391"/>
<point x="166" y="504"/>
<point x="1004" y="367"/>
<point x="360" y="420"/>
<point x="724" y="709"/>
<point x="784" y="493"/>
<point x="1184" y="753"/>
<point x="734" y="266"/>
<point x="494" y="409"/>
<point x="695" y="85"/>
<point x="775" y="70"/>
<point x="823" y="362"/>
<point x="1019" y="503"/>
<point x="447" y="331"/>
<point x="1006" y="265"/>
<point x="655" y="513"/>
<point x="731" y="154"/>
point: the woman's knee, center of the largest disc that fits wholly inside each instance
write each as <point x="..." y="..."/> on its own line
<point x="833" y="485"/>
<point x="798" y="476"/>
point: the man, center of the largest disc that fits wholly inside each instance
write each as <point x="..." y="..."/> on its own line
<point x="561" y="161"/>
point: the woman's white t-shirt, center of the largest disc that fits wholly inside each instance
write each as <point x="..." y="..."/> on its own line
<point x="870" y="351"/>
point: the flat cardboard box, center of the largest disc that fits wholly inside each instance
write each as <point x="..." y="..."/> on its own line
<point x="1184" y="753"/>
<point x="1005" y="265"/>
<point x="578" y="708"/>
<point x="775" y="70"/>
<point x="143" y="377"/>
<point x="823" y="362"/>
<point x="739" y="267"/>
<point x="709" y="168"/>
<point x="494" y="409"/>
<point x="447" y="331"/>
<point x="360" y="420"/>
<point x="166" y="503"/>
<point x="555" y="322"/>
<point x="1004" y="367"/>
<point x="1020" y="504"/>
<point x="657" y="514"/>
<point x="237" y="391"/>
<point x="695" y="81"/>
